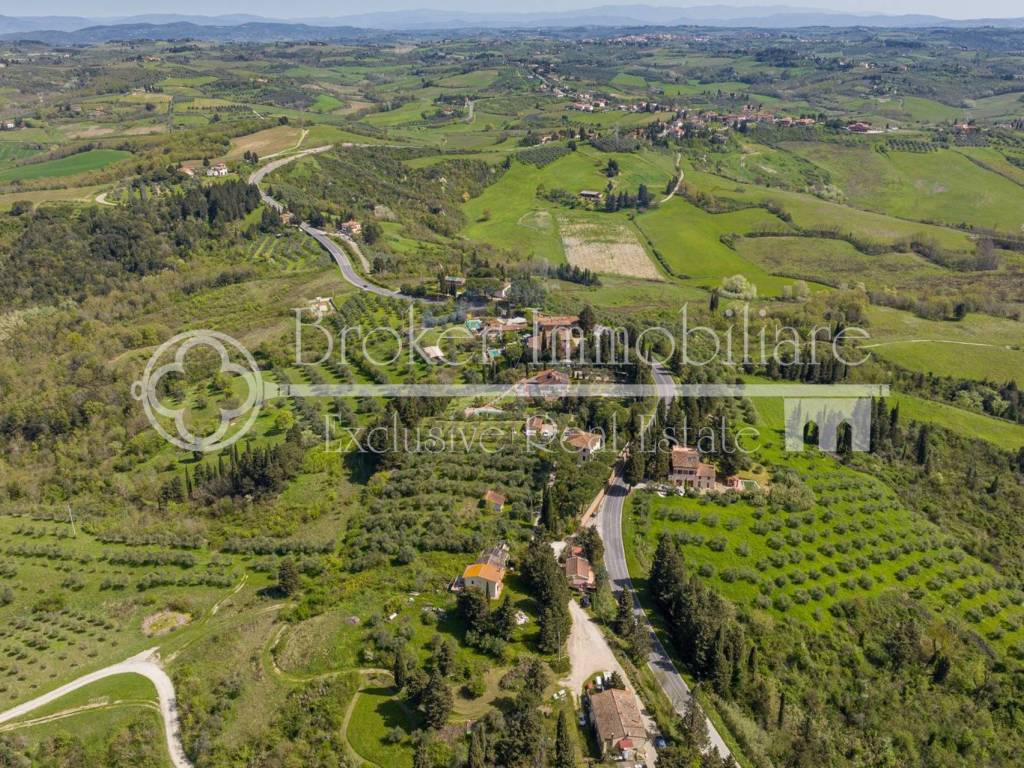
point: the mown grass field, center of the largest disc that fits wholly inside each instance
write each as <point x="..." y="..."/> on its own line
<point x="266" y="142"/>
<point x="811" y="212"/>
<point x="835" y="262"/>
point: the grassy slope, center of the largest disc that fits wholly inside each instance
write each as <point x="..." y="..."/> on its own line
<point x="931" y="186"/>
<point x="688" y="239"/>
<point x="981" y="352"/>
<point x="82" y="162"/>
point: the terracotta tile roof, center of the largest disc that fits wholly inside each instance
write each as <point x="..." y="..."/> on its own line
<point x="483" y="571"/>
<point x="550" y="376"/>
<point x="493" y="497"/>
<point x="684" y="457"/>
<point x="617" y="716"/>
<point x="583" y="440"/>
<point x="578" y="568"/>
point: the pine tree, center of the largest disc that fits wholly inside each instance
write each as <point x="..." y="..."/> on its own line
<point x="565" y="745"/>
<point x="636" y="464"/>
<point x="400" y="667"/>
<point x="473" y="608"/>
<point x="921" y="451"/>
<point x="477" y="754"/>
<point x="421" y="757"/>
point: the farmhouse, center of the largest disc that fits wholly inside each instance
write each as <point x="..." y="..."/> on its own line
<point x="538" y="427"/>
<point x="585" y="443"/>
<point x="453" y="285"/>
<point x="351" y="228"/>
<point x="486" y="578"/>
<point x="859" y="127"/>
<point x="580" y="573"/>
<point x="618" y="725"/>
<point x="488" y="572"/>
<point x="589" y="194"/>
<point x="494" y="501"/>
<point x="220" y="169"/>
<point x="688" y="470"/>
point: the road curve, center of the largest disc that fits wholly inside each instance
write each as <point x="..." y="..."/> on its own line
<point x="337" y="252"/>
<point x="145" y="664"/>
<point x="342" y="260"/>
<point x="609" y="525"/>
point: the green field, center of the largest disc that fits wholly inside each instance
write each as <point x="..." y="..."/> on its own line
<point x="83" y="162"/>
<point x="834" y="262"/>
<point x="812" y="213"/>
<point x="941" y="186"/>
<point x="690" y="243"/>
<point x="977" y="347"/>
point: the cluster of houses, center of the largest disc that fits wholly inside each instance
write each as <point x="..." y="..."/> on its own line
<point x="585" y="444"/>
<point x="749" y="115"/>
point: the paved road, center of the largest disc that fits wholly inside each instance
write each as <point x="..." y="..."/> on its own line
<point x="145" y="664"/>
<point x="342" y="260"/>
<point x="337" y="252"/>
<point x="609" y="525"/>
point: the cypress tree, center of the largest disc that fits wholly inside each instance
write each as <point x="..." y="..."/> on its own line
<point x="565" y="747"/>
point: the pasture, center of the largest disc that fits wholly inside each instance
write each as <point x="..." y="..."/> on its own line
<point x="978" y="347"/>
<point x="267" y="142"/>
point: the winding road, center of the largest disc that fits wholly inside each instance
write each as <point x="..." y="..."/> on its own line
<point x="609" y="524"/>
<point x="145" y="664"/>
<point x="337" y="252"/>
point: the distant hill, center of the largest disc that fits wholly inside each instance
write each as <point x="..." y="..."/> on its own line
<point x="262" y="32"/>
<point x="65" y="30"/>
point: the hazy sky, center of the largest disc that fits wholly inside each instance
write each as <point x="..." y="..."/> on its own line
<point x="954" y="9"/>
